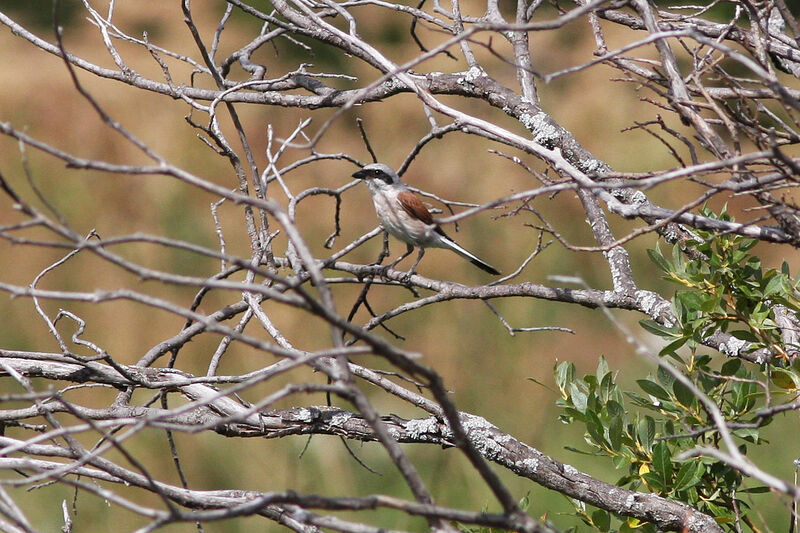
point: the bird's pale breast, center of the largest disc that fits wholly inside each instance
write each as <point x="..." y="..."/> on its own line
<point x="400" y="224"/>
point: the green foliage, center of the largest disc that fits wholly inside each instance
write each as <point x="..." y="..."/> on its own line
<point x="645" y="441"/>
<point x="644" y="432"/>
<point x="726" y="290"/>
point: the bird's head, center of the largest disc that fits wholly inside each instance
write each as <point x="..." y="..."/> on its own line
<point x="378" y="176"/>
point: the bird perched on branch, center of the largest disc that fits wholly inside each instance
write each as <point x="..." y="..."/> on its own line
<point x="404" y="216"/>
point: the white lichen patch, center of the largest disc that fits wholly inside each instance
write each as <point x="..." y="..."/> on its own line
<point x="340" y="420"/>
<point x="638" y="198"/>
<point x="483" y="435"/>
<point x="531" y="464"/>
<point x="472" y="423"/>
<point x="591" y="165"/>
<point x="671" y="236"/>
<point x="303" y="415"/>
<point x="394" y="432"/>
<point x="421" y="427"/>
<point x="471" y="75"/>
<point x="617" y="277"/>
<point x="655" y="306"/>
<point x="629" y="501"/>
<point x="503" y="438"/>
<point x="570" y="470"/>
<point x="487" y="446"/>
<point x="732" y="347"/>
<point x="544" y="132"/>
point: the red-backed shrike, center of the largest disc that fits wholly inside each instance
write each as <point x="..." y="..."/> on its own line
<point x="404" y="216"/>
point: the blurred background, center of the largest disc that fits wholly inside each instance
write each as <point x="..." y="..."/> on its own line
<point x="486" y="369"/>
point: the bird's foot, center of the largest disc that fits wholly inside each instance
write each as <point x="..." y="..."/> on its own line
<point x="406" y="278"/>
<point x="383" y="271"/>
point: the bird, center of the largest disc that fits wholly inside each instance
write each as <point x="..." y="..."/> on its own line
<point x="405" y="217"/>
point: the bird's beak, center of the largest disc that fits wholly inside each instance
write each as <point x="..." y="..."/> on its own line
<point x="361" y="174"/>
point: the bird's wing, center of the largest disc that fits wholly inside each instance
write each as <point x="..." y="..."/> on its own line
<point x="417" y="210"/>
<point x="414" y="207"/>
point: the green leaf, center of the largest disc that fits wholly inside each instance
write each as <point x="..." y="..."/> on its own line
<point x="653" y="389"/>
<point x="659" y="260"/>
<point x="579" y="398"/>
<point x="743" y="396"/>
<point x="722" y="515"/>
<point x="662" y="458"/>
<point x="731" y="367"/>
<point x="564" y="375"/>
<point x="615" y="433"/>
<point x="755" y="490"/>
<point x="748" y="434"/>
<point x="688" y="476"/>
<point x="747" y="244"/>
<point x="570" y="414"/>
<point x="738" y="256"/>
<point x="664" y="377"/>
<point x="672" y="347"/>
<point x="594" y="404"/>
<point x="540" y="383"/>
<point x="576" y="450"/>
<point x="607" y="387"/>
<point x="595" y="429"/>
<point x="657" y="329"/>
<point x="683" y="394"/>
<point x="784" y="379"/>
<point x="775" y="286"/>
<point x="615" y="410"/>
<point x="621" y="461"/>
<point x="661" y="467"/>
<point x="677" y="258"/>
<point x="691" y="300"/>
<point x="702" y="360"/>
<point x="711" y="303"/>
<point x="745" y="335"/>
<point x="601" y="520"/>
<point x="639" y="400"/>
<point x="634" y="525"/>
<point x="654" y="481"/>
<point x="602" y="368"/>
<point x="646" y="432"/>
<point x="525" y="502"/>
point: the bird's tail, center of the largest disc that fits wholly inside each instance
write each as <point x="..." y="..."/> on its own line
<point x="483" y="265"/>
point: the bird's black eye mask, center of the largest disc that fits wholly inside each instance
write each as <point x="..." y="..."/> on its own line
<point x="373" y="173"/>
<point x="383" y="176"/>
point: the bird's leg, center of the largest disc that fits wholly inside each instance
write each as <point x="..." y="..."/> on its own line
<point x="384" y="270"/>
<point x="409" y="249"/>
<point x="414" y="266"/>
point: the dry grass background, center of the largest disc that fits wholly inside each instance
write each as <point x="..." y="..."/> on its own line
<point x="484" y="367"/>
